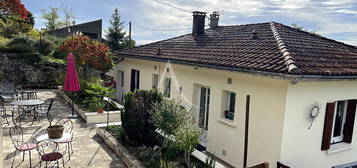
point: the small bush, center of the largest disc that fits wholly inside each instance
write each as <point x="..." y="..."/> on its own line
<point x="21" y="48"/>
<point x="117" y="132"/>
<point x="136" y="115"/>
<point x="44" y="46"/>
<point x="59" y="54"/>
<point x="22" y="39"/>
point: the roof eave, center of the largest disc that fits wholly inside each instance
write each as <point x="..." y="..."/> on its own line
<point x="293" y="77"/>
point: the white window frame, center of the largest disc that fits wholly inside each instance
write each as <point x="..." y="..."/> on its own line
<point x="228" y="103"/>
<point x="167" y="85"/>
<point x="155" y="81"/>
<point x="338" y="139"/>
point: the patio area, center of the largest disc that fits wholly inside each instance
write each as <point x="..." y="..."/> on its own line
<point x="88" y="149"/>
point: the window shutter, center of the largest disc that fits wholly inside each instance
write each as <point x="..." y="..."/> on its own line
<point x="138" y="79"/>
<point x="350" y="120"/>
<point x="326" y="137"/>
<point x="132" y="80"/>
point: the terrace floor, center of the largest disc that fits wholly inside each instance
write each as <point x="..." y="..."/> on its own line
<point x="89" y="149"/>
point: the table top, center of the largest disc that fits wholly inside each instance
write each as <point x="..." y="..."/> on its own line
<point x="27" y="102"/>
<point x="65" y="136"/>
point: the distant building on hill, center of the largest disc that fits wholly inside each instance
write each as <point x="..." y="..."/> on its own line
<point x="91" y="29"/>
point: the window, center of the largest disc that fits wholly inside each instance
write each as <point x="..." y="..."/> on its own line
<point x="229" y="102"/>
<point x="339" y="123"/>
<point x="167" y="87"/>
<point x="155" y="81"/>
<point x="135" y="76"/>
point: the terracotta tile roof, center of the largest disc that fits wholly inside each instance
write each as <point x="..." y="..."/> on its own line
<point x="276" y="49"/>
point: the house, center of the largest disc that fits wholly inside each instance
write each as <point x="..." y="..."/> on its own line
<point x="91" y="29"/>
<point x="262" y="92"/>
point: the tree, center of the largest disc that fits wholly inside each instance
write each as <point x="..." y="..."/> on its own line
<point x="12" y="7"/>
<point x="69" y="16"/>
<point x="52" y="17"/>
<point x="304" y="29"/>
<point x="115" y="34"/>
<point x="88" y="53"/>
<point x="14" y="18"/>
<point x="178" y="126"/>
<point x="136" y="115"/>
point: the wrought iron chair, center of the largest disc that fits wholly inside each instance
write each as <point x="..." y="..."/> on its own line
<point x="44" y="111"/>
<point x="17" y="137"/>
<point x="3" y="113"/>
<point x="8" y="92"/>
<point x="28" y="95"/>
<point x="49" y="152"/>
<point x="68" y="128"/>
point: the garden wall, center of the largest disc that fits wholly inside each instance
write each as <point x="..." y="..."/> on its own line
<point x="26" y="71"/>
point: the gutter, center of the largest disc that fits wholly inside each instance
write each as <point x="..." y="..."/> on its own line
<point x="294" y="78"/>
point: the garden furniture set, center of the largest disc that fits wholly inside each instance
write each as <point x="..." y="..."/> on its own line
<point x="48" y="149"/>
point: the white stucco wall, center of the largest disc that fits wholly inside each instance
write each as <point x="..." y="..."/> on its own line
<point x="301" y="148"/>
<point x="268" y="97"/>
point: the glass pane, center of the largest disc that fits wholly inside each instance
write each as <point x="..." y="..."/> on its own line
<point x="201" y="117"/>
<point x="207" y="110"/>
<point x="339" y="119"/>
<point x="232" y="102"/>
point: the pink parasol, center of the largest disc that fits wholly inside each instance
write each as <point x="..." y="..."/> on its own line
<point x="71" y="82"/>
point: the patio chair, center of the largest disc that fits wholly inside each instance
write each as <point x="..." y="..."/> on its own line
<point x="17" y="137"/>
<point x="49" y="152"/>
<point x="68" y="128"/>
<point x="8" y="92"/>
<point x="28" y="95"/>
<point x="42" y="110"/>
<point x="3" y="113"/>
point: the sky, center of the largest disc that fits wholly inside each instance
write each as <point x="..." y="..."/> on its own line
<point x="153" y="21"/>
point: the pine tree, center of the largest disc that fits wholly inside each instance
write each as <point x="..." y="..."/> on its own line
<point x="115" y="34"/>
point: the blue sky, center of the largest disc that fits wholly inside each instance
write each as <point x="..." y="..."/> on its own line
<point x="335" y="19"/>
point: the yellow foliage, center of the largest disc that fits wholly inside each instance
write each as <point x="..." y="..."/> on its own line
<point x="34" y="33"/>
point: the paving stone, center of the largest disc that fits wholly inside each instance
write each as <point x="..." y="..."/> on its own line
<point x="89" y="150"/>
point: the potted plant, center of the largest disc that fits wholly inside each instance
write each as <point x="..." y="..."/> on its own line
<point x="100" y="106"/>
<point x="54" y="131"/>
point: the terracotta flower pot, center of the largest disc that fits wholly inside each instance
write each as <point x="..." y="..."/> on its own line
<point x="100" y="110"/>
<point x="55" y="131"/>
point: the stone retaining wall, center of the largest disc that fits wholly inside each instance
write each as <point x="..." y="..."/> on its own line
<point x="26" y="72"/>
<point x="129" y="160"/>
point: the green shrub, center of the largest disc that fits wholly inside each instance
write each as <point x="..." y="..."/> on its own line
<point x="21" y="48"/>
<point x="44" y="46"/>
<point x="117" y="132"/>
<point x="22" y="39"/>
<point x="59" y="54"/>
<point x="4" y="40"/>
<point x="136" y="118"/>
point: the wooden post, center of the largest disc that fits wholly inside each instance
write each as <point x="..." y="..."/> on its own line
<point x="246" y="134"/>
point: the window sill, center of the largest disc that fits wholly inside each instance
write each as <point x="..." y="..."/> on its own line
<point x="339" y="147"/>
<point x="227" y="122"/>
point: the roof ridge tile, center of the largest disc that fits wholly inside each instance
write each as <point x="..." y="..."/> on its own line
<point x="289" y="60"/>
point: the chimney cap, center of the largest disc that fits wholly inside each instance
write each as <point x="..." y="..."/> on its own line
<point x="198" y="13"/>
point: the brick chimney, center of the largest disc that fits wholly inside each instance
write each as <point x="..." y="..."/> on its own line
<point x="214" y="18"/>
<point x="198" y="26"/>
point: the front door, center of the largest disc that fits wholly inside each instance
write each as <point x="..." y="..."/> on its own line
<point x="204" y="98"/>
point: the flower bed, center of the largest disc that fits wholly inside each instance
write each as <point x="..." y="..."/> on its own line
<point x="148" y="157"/>
<point x="94" y="117"/>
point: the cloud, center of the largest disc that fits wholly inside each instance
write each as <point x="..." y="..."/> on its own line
<point x="151" y="19"/>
